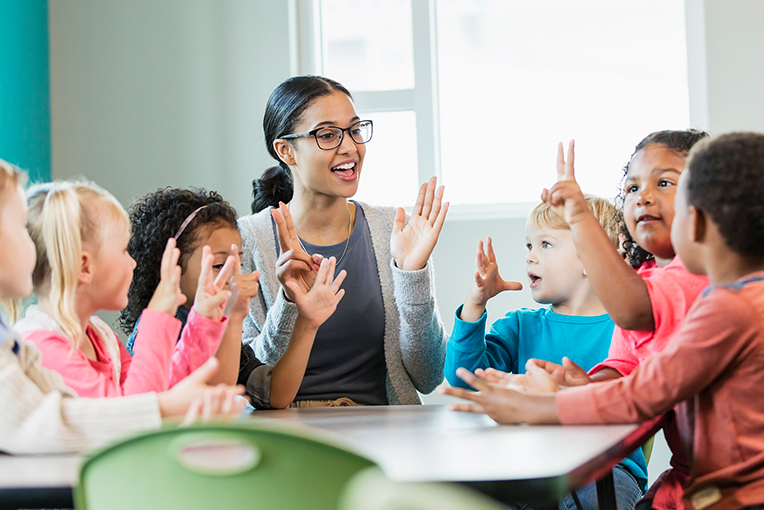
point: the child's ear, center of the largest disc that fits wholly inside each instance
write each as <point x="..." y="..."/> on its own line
<point x="284" y="150"/>
<point x="698" y="224"/>
<point x="85" y="274"/>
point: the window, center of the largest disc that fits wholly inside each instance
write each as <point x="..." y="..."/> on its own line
<point x="479" y="92"/>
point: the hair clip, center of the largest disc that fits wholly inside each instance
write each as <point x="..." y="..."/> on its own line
<point x="188" y="220"/>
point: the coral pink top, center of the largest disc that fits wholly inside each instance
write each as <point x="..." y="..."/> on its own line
<point x="160" y="361"/>
<point x="672" y="290"/>
<point x="711" y="371"/>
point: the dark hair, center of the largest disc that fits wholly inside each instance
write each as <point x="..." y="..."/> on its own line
<point x="156" y="217"/>
<point x="679" y="141"/>
<point x="282" y="113"/>
<point x="726" y="182"/>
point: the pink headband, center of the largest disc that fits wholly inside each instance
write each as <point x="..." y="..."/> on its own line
<point x="188" y="220"/>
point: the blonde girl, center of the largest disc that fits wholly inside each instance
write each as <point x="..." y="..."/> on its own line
<point x="81" y="233"/>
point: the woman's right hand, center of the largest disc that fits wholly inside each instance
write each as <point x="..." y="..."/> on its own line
<point x="293" y="265"/>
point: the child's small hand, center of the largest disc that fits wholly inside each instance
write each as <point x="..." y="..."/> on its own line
<point x="221" y="403"/>
<point x="502" y="404"/>
<point x="246" y="286"/>
<point x="318" y="304"/>
<point x="293" y="264"/>
<point x="495" y="377"/>
<point x="565" y="198"/>
<point x="567" y="374"/>
<point x="211" y="295"/>
<point x="167" y="296"/>
<point x="488" y="282"/>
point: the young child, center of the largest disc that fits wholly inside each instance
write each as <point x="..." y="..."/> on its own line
<point x="81" y="233"/>
<point x="710" y="371"/>
<point x="39" y="414"/>
<point x="199" y="218"/>
<point x="575" y="324"/>
<point x="648" y="306"/>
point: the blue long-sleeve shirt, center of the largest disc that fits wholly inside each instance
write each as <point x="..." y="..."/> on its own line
<point x="523" y="334"/>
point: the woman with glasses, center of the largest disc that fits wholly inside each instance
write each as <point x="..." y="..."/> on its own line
<point x="385" y="341"/>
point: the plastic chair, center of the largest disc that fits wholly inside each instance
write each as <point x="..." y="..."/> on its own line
<point x="219" y="466"/>
<point x="372" y="490"/>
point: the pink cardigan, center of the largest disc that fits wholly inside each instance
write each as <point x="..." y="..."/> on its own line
<point x="160" y="360"/>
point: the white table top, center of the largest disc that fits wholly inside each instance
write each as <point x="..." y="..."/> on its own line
<point x="415" y="443"/>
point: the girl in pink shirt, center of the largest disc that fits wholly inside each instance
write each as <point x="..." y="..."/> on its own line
<point x="81" y="234"/>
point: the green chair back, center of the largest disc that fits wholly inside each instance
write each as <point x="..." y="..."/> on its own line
<point x="371" y="490"/>
<point x="647" y="449"/>
<point x="218" y="466"/>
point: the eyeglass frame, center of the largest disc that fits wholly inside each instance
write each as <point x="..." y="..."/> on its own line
<point x="342" y="134"/>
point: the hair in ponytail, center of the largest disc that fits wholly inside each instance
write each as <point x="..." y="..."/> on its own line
<point x="282" y="113"/>
<point x="63" y="216"/>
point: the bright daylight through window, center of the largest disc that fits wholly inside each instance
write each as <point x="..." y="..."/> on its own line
<point x="507" y="79"/>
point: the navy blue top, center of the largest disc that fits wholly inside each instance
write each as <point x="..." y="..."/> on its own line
<point x="348" y="356"/>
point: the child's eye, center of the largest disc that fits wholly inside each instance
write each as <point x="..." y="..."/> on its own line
<point x="545" y="244"/>
<point x="663" y="183"/>
<point x="218" y="267"/>
<point x="529" y="246"/>
<point x="632" y="189"/>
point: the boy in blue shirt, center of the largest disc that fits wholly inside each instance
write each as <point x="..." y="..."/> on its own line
<point x="575" y="324"/>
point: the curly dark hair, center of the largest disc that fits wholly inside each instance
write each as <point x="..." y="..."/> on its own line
<point x="156" y="217"/>
<point x="679" y="141"/>
<point x="726" y="182"/>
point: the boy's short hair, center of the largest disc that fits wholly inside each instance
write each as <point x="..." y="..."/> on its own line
<point x="726" y="182"/>
<point x="542" y="216"/>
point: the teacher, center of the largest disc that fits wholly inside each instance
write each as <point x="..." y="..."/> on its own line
<point x="385" y="341"/>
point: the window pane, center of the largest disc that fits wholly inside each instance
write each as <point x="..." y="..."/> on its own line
<point x="368" y="45"/>
<point x="389" y="173"/>
<point x="516" y="77"/>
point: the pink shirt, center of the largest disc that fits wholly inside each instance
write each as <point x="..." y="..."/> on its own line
<point x="711" y="370"/>
<point x="672" y="290"/>
<point x="160" y="360"/>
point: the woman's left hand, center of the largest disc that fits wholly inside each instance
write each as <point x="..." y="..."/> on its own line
<point x="411" y="245"/>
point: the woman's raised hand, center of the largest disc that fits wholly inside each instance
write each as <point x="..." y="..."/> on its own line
<point x="211" y="293"/>
<point x="319" y="303"/>
<point x="293" y="265"/>
<point x="565" y="197"/>
<point x="167" y="296"/>
<point x="412" y="243"/>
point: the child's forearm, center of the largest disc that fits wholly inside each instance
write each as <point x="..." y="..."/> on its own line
<point x="622" y="291"/>
<point x="229" y="353"/>
<point x="471" y="311"/>
<point x="288" y="373"/>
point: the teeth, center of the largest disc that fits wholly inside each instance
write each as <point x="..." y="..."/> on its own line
<point x="346" y="166"/>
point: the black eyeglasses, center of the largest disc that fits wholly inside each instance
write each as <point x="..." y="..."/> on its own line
<point x="330" y="137"/>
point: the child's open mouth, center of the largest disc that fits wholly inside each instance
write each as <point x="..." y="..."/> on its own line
<point x="646" y="218"/>
<point x="346" y="172"/>
<point x="535" y="280"/>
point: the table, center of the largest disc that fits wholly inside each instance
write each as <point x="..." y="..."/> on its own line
<point x="410" y="443"/>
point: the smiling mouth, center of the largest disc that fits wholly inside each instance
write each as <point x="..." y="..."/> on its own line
<point x="346" y="172"/>
<point x="647" y="218"/>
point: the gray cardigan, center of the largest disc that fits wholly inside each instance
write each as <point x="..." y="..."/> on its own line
<point x="415" y="342"/>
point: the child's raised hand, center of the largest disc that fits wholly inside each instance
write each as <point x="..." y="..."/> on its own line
<point x="246" y="286"/>
<point x="488" y="281"/>
<point x="411" y="243"/>
<point x="293" y="264"/>
<point x="319" y="303"/>
<point x="211" y="295"/>
<point x="565" y="197"/>
<point x="167" y="296"/>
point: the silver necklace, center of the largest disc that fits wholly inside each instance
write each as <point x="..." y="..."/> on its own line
<point x="347" y="242"/>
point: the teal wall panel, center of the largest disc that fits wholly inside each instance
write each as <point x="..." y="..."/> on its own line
<point x="25" y="86"/>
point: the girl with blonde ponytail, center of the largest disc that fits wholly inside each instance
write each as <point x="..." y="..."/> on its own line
<point x="81" y="233"/>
